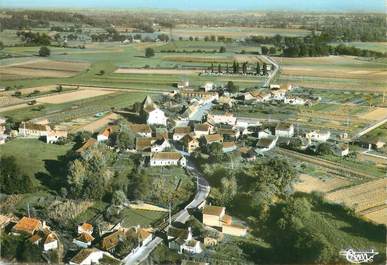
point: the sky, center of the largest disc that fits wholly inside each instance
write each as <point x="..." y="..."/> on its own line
<point x="290" y="5"/>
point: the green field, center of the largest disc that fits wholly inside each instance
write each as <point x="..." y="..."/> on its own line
<point x="372" y="46"/>
<point x="71" y="110"/>
<point x="34" y="156"/>
<point x="139" y="217"/>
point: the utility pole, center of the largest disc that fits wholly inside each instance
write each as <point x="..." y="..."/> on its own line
<point x="28" y="210"/>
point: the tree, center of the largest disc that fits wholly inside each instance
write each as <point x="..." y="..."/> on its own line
<point x="264" y="68"/>
<point x="272" y="50"/>
<point x="149" y="52"/>
<point x="12" y="180"/>
<point x="264" y="50"/>
<point x="258" y="69"/>
<point x="44" y="51"/>
<point x="244" y="67"/>
<point x="215" y="151"/>
<point x="219" y="68"/>
<point x="324" y="149"/>
<point x="232" y="87"/>
<point x="222" y="49"/>
<point x="101" y="72"/>
<point x="119" y="197"/>
<point x="59" y="88"/>
<point x="229" y="188"/>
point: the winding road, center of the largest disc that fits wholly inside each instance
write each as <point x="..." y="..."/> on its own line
<point x="203" y="189"/>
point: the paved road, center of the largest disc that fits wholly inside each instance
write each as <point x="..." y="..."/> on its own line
<point x="273" y="73"/>
<point x="203" y="189"/>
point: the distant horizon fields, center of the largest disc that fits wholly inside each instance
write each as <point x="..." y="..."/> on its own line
<point x="326" y="6"/>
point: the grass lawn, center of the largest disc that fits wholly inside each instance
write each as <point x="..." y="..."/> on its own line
<point x="138" y="217"/>
<point x="36" y="158"/>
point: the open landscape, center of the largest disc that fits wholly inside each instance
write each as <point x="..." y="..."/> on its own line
<point x="168" y="134"/>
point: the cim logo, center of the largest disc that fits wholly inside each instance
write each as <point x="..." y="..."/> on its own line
<point x="359" y="256"/>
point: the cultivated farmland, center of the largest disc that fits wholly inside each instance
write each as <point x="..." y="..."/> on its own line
<point x="310" y="183"/>
<point x="363" y="197"/>
<point x="73" y="96"/>
<point x="335" y="72"/>
<point x="41" y="68"/>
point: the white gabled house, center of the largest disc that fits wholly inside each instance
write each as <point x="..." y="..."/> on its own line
<point x="266" y="144"/>
<point x="284" y="129"/>
<point x="104" y="135"/>
<point x="167" y="159"/>
<point x="318" y="136"/>
<point x="226" y="118"/>
<point x="294" y="100"/>
<point x="160" y="145"/>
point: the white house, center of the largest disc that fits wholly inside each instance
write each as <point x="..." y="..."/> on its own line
<point x="341" y="150"/>
<point x="266" y="144"/>
<point x="143" y="130"/>
<point x="85" y="228"/>
<point x="208" y="86"/>
<point x="183" y="84"/>
<point x="54" y="136"/>
<point x="278" y="95"/>
<point x="28" y="129"/>
<point x="105" y="134"/>
<point x="151" y="113"/>
<point x="264" y="134"/>
<point x="84" y="240"/>
<point x="160" y="145"/>
<point x="87" y="256"/>
<point x="167" y="159"/>
<point x="180" y="132"/>
<point x="51" y="242"/>
<point x="294" y="100"/>
<point x="318" y="136"/>
<point x="284" y="129"/>
<point x="226" y="118"/>
<point x="191" y="245"/>
<point x="203" y="129"/>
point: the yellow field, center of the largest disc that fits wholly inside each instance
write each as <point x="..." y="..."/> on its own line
<point x="212" y="59"/>
<point x="72" y="96"/>
<point x="376" y="114"/>
<point x="96" y="125"/>
<point x="41" y="68"/>
<point x="335" y="72"/>
<point x="310" y="183"/>
<point x="155" y="71"/>
<point x="361" y="197"/>
<point x="379" y="216"/>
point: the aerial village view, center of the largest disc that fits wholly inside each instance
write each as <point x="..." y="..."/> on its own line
<point x="193" y="132"/>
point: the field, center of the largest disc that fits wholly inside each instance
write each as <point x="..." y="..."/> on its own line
<point x="139" y="217"/>
<point x="373" y="46"/>
<point x="73" y="96"/>
<point x="155" y="71"/>
<point x="233" y="32"/>
<point x="362" y="197"/>
<point x="34" y="156"/>
<point x="376" y="114"/>
<point x="335" y="72"/>
<point x="99" y="123"/>
<point x="65" y="112"/>
<point x="41" y="68"/>
<point x="309" y="183"/>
